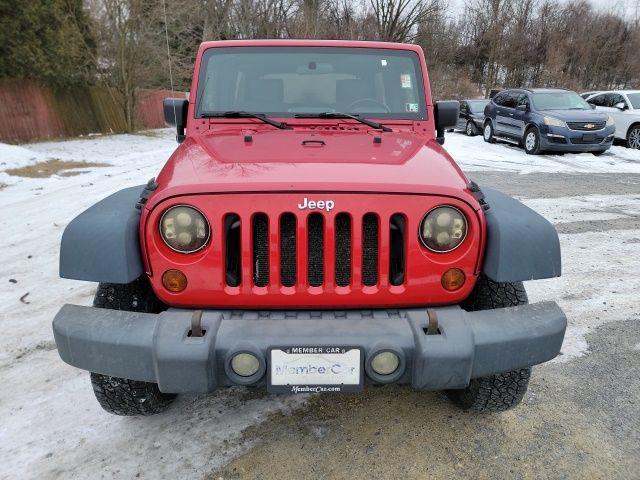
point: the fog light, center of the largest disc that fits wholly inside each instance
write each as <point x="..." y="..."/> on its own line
<point x="385" y="363"/>
<point x="245" y="364"/>
<point x="174" y="280"/>
<point x="452" y="279"/>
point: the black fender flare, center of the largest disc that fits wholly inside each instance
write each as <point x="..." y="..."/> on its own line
<point x="102" y="243"/>
<point x="521" y="244"/>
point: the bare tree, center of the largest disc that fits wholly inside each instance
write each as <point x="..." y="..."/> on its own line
<point x="398" y="20"/>
<point x="127" y="53"/>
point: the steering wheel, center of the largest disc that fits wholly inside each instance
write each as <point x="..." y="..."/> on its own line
<point x="382" y="107"/>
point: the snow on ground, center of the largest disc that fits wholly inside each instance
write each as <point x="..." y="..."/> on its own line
<point x="51" y="425"/>
<point x="12" y="156"/>
<point x="588" y="207"/>
<point x="473" y="153"/>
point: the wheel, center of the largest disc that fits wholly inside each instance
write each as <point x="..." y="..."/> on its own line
<point x="487" y="132"/>
<point x="136" y="296"/>
<point x="633" y="137"/>
<point x="498" y="392"/>
<point x="121" y="396"/>
<point x="531" y="141"/>
<point x="470" y="129"/>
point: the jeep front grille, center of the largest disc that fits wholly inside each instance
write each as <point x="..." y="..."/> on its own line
<point x="275" y="251"/>
<point x="316" y="229"/>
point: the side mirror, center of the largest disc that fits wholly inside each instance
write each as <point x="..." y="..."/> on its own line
<point x="621" y="106"/>
<point x="175" y="115"/>
<point x="446" y="116"/>
<point x="593" y="107"/>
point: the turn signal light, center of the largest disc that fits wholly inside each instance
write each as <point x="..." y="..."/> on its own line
<point x="453" y="279"/>
<point x="174" y="280"/>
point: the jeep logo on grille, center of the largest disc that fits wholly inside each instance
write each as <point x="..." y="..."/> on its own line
<point x="316" y="204"/>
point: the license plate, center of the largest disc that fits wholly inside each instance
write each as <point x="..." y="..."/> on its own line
<point x="315" y="369"/>
<point x="588" y="138"/>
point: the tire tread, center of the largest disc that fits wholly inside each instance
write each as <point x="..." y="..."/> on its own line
<point x="501" y="391"/>
<point x="121" y="396"/>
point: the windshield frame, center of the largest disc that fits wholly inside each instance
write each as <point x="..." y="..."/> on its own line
<point x="421" y="115"/>
<point x="533" y="95"/>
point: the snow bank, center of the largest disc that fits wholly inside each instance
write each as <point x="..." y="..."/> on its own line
<point x="12" y="156"/>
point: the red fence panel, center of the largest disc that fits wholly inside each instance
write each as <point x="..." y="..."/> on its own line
<point x="30" y="111"/>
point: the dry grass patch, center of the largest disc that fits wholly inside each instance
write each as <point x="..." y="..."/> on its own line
<point x="53" y="167"/>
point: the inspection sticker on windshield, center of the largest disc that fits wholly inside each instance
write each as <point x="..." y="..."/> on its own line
<point x="411" y="107"/>
<point x="405" y="80"/>
<point x="315" y="369"/>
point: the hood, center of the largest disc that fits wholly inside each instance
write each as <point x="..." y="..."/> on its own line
<point x="576" y="115"/>
<point x="337" y="159"/>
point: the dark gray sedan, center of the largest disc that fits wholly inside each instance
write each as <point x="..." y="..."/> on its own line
<point x="471" y="116"/>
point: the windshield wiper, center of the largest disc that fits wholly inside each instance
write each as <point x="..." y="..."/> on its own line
<point x="241" y="114"/>
<point x="375" y="125"/>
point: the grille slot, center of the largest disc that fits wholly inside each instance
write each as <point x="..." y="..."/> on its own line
<point x="343" y="249"/>
<point x="370" y="249"/>
<point x="582" y="141"/>
<point x="397" y="241"/>
<point x="288" y="249"/>
<point x="232" y="250"/>
<point x="315" y="249"/>
<point x="260" y="250"/>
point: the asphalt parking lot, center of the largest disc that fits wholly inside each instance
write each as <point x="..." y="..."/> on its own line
<point x="580" y="418"/>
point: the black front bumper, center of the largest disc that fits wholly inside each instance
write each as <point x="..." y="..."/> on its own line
<point x="158" y="348"/>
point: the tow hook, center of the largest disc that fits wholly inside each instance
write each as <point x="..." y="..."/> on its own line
<point x="196" y="325"/>
<point x="432" y="326"/>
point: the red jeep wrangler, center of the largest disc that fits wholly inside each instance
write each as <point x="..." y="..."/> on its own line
<point x="309" y="234"/>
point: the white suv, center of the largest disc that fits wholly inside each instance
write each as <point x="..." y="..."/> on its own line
<point x="624" y="107"/>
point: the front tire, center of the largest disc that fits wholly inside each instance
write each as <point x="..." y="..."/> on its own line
<point x="531" y="141"/>
<point x="633" y="137"/>
<point x="470" y="129"/>
<point x="122" y="396"/>
<point x="502" y="391"/>
<point x="487" y="132"/>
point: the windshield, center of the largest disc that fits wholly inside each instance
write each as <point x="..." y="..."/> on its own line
<point x="634" y="98"/>
<point x="477" y="106"/>
<point x="559" y="101"/>
<point x="285" y="81"/>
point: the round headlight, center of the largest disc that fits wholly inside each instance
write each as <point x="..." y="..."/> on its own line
<point x="443" y="229"/>
<point x="184" y="229"/>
